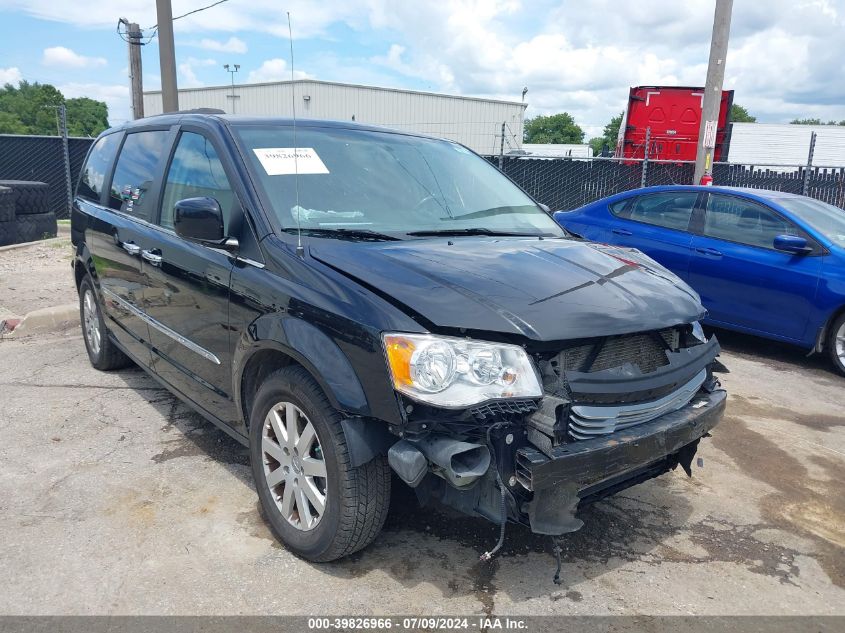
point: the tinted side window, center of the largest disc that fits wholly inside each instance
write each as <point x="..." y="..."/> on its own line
<point x="744" y="221"/>
<point x="196" y="171"/>
<point x="92" y="178"/>
<point x="672" y="210"/>
<point x="135" y="171"/>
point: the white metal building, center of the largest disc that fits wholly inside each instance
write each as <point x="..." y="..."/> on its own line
<point x="557" y="150"/>
<point x="475" y="122"/>
<point x="786" y="144"/>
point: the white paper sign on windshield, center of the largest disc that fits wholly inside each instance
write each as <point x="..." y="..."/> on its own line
<point x="282" y="161"/>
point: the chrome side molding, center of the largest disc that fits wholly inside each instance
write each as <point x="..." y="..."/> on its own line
<point x="197" y="349"/>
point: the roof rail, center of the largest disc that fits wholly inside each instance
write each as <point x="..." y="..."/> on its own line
<point x="195" y="111"/>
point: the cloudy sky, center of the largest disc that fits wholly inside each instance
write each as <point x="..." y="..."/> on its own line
<point x="786" y="58"/>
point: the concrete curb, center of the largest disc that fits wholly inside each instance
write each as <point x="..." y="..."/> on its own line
<point x="53" y="319"/>
<point x="12" y="247"/>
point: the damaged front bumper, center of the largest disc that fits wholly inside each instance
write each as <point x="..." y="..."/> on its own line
<point x="580" y="472"/>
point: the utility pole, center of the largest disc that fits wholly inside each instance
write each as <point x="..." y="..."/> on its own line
<point x="232" y="96"/>
<point x="713" y="90"/>
<point x="167" y="56"/>
<point x="136" y="77"/>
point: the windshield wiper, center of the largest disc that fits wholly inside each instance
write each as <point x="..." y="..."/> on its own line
<point x="353" y="234"/>
<point x="479" y="230"/>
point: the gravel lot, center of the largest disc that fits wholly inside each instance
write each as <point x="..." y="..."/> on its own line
<point x="114" y="498"/>
<point x="36" y="276"/>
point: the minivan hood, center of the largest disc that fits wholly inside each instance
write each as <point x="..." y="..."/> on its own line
<point x="545" y="290"/>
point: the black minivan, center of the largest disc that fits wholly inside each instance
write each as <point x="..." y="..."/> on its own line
<point x="364" y="307"/>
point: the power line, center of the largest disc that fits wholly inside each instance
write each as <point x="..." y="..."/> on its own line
<point x="184" y="15"/>
<point x="154" y="27"/>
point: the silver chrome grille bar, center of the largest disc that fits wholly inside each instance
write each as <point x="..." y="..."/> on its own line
<point x="587" y="421"/>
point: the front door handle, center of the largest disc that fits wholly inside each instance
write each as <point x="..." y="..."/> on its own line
<point x="131" y="247"/>
<point x="621" y="232"/>
<point x="709" y="251"/>
<point x="153" y="258"/>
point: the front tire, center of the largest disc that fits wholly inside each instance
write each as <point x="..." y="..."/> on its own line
<point x="836" y="343"/>
<point x="102" y="352"/>
<point x="317" y="504"/>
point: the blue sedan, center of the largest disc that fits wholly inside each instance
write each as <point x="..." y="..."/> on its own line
<point x="767" y="263"/>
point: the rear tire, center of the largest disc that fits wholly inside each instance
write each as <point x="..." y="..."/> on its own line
<point x="352" y="503"/>
<point x="836" y="343"/>
<point x="102" y="352"/>
<point x="31" y="197"/>
<point x="7" y="205"/>
<point x="8" y="233"/>
<point x="34" y="227"/>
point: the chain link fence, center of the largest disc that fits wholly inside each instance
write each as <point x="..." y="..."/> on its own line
<point x="561" y="183"/>
<point x="42" y="158"/>
<point x="568" y="183"/>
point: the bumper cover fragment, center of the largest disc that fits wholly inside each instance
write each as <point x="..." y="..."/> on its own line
<point x="580" y="469"/>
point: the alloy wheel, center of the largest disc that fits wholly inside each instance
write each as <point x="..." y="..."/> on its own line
<point x="839" y="341"/>
<point x="91" y="322"/>
<point x="294" y="467"/>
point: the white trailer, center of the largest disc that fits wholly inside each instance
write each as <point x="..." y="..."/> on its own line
<point x="786" y="144"/>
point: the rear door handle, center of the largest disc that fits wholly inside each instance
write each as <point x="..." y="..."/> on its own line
<point x="153" y="258"/>
<point x="621" y="232"/>
<point x="131" y="247"/>
<point x="709" y="251"/>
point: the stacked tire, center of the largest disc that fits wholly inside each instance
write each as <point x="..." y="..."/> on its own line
<point x="25" y="214"/>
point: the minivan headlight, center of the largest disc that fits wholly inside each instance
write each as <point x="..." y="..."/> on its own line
<point x="454" y="372"/>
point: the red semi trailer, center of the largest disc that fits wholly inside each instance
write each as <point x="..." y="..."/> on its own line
<point x="674" y="116"/>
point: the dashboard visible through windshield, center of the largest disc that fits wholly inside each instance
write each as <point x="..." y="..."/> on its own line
<point x="358" y="182"/>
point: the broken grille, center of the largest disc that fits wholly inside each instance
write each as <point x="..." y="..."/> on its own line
<point x="586" y="421"/>
<point x="646" y="351"/>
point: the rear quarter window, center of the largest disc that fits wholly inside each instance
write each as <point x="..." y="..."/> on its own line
<point x="92" y="178"/>
<point x="135" y="173"/>
<point x="618" y="208"/>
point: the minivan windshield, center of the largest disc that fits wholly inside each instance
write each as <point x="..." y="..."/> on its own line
<point x="356" y="183"/>
<point x="825" y="218"/>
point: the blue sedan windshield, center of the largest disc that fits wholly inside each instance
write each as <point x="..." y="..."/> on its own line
<point x="825" y="218"/>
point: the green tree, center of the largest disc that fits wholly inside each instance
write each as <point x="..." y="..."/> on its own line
<point x="30" y="108"/>
<point x="741" y="115"/>
<point x="11" y="124"/>
<point x="556" y="128"/>
<point x="86" y="117"/>
<point x="609" y="136"/>
<point x="815" y="122"/>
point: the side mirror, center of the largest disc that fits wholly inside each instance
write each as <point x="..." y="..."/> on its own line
<point x="544" y="207"/>
<point x="201" y="220"/>
<point x="792" y="244"/>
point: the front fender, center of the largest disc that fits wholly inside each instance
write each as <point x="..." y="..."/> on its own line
<point x="310" y="347"/>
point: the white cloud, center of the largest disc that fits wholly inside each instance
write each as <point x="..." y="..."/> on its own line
<point x="265" y="16"/>
<point x="786" y="58"/>
<point x="232" y="45"/>
<point x="66" y="58"/>
<point x="273" y="70"/>
<point x="10" y="75"/>
<point x="115" y="96"/>
<point x="187" y="71"/>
